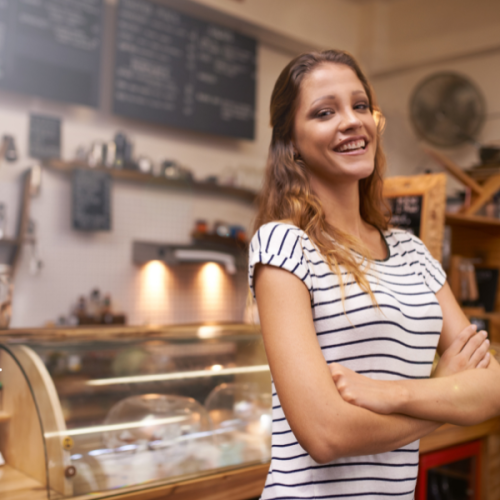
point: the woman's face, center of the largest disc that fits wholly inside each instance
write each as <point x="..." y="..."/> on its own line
<point x="334" y="131"/>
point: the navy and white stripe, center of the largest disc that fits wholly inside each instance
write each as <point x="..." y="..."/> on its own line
<point x="395" y="341"/>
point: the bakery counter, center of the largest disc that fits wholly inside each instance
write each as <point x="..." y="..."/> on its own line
<point x="181" y="412"/>
<point x="134" y="412"/>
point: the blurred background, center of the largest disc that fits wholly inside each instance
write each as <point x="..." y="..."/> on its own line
<point x="136" y="133"/>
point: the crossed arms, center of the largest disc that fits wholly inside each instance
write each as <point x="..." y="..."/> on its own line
<point x="335" y="412"/>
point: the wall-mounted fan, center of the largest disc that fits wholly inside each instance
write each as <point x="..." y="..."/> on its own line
<point x="447" y="110"/>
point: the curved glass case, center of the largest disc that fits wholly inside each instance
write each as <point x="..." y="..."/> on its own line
<point x="125" y="406"/>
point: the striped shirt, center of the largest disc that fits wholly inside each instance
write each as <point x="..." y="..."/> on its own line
<point x="397" y="341"/>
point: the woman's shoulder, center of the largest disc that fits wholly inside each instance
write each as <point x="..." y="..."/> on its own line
<point x="401" y="236"/>
<point x="407" y="243"/>
<point x="277" y="236"/>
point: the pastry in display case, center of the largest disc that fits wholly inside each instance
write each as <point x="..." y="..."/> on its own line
<point x="104" y="409"/>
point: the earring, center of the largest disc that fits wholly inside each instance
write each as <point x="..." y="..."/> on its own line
<point x="296" y="155"/>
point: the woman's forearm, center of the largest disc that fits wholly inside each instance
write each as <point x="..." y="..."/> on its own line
<point x="465" y="398"/>
<point x="362" y="432"/>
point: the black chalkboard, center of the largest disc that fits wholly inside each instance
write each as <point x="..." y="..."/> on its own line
<point x="45" y="137"/>
<point x="91" y="200"/>
<point x="406" y="213"/>
<point x="177" y="70"/>
<point x="52" y="48"/>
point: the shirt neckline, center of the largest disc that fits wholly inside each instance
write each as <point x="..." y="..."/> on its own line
<point x="388" y="248"/>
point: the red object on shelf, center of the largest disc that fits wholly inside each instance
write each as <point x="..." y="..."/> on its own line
<point x="449" y="455"/>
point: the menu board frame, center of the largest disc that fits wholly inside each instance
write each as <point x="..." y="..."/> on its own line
<point x="432" y="189"/>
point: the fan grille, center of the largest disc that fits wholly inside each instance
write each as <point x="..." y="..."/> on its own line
<point x="447" y="109"/>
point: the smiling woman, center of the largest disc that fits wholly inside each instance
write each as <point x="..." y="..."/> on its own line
<point x="351" y="311"/>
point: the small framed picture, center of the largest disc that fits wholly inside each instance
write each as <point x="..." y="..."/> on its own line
<point x="418" y="205"/>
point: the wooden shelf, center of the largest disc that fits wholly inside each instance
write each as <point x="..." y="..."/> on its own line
<point x="135" y="176"/>
<point x="9" y="241"/>
<point x="484" y="172"/>
<point x="478" y="221"/>
<point x="15" y="241"/>
<point x="4" y="417"/>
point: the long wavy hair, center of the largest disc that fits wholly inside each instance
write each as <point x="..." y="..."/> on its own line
<point x="287" y="193"/>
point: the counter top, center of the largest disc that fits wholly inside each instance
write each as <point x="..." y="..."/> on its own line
<point x="123" y="332"/>
<point x="450" y="435"/>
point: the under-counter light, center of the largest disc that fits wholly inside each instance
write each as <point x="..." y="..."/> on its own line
<point x="154" y="281"/>
<point x="208" y="331"/>
<point x="210" y="256"/>
<point x="215" y="289"/>
<point x="172" y="255"/>
<point x="161" y="377"/>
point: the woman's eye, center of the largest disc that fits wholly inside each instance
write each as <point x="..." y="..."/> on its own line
<point x="324" y="113"/>
<point x="362" y="106"/>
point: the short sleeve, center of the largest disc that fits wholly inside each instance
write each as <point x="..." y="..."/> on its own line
<point x="430" y="269"/>
<point x="281" y="245"/>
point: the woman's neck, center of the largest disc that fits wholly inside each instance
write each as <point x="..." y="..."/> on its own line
<point x="341" y="206"/>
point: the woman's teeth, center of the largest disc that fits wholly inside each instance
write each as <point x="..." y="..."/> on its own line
<point x="350" y="146"/>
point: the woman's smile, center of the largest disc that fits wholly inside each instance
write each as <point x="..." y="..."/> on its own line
<point x="352" y="146"/>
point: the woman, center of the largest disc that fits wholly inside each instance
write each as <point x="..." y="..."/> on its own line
<point x="351" y="311"/>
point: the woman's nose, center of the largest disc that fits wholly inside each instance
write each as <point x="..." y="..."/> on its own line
<point x="349" y="120"/>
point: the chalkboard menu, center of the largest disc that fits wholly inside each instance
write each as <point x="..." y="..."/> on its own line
<point x="177" y="70"/>
<point x="52" y="48"/>
<point x="406" y="213"/>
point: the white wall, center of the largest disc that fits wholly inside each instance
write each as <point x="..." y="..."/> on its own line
<point x="74" y="262"/>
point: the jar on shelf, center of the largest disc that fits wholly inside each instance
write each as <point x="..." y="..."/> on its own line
<point x="5" y="295"/>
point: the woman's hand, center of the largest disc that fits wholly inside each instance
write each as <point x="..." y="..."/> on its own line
<point x="468" y="351"/>
<point x="380" y="396"/>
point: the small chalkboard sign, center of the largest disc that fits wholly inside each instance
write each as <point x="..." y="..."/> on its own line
<point x="91" y="200"/>
<point x="45" y="137"/>
<point x="418" y="205"/>
<point x="406" y="213"/>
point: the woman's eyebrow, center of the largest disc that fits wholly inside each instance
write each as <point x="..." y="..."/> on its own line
<point x="324" y="98"/>
<point x="333" y="97"/>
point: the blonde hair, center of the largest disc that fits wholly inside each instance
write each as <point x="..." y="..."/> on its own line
<point x="287" y="194"/>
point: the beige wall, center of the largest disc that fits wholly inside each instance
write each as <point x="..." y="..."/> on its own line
<point x="405" y="155"/>
<point x="399" y="34"/>
<point x="412" y="39"/>
<point x="320" y="23"/>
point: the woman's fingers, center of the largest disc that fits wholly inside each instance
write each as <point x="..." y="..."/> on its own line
<point x="473" y="344"/>
<point x="485" y="362"/>
<point x="479" y="354"/>
<point x="461" y="341"/>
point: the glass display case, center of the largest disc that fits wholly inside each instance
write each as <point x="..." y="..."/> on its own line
<point x="87" y="412"/>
